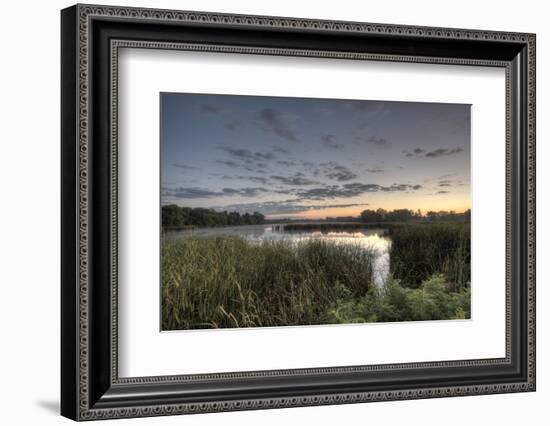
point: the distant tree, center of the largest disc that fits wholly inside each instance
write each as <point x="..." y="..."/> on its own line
<point x="170" y="216"/>
<point x="448" y="216"/>
<point x="382" y="213"/>
<point x="257" y="218"/>
<point x="371" y="216"/>
<point x="432" y="216"/>
<point x="400" y="215"/>
<point x="407" y="215"/>
<point x="174" y="216"/>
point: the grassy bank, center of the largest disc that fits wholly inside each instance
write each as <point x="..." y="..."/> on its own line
<point x="229" y="282"/>
<point x="419" y="251"/>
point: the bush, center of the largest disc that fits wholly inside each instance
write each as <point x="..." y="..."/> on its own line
<point x="433" y="300"/>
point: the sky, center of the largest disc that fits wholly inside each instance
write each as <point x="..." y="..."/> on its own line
<point x="313" y="158"/>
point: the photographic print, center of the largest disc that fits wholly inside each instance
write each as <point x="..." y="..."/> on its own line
<point x="281" y="211"/>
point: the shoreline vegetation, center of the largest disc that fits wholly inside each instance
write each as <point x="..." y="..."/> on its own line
<point x="229" y="282"/>
<point x="180" y="218"/>
<point x="176" y="218"/>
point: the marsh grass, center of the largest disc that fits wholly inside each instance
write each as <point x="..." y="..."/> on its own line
<point x="420" y="251"/>
<point x="229" y="282"/>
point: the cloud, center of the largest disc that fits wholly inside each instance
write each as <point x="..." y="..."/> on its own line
<point x="264" y="155"/>
<point x="257" y="179"/>
<point x="185" y="166"/>
<point x="283" y="207"/>
<point x="415" y="153"/>
<point x="246" y="155"/>
<point x="286" y="163"/>
<point x="401" y="187"/>
<point x="233" y="125"/>
<point x="195" y="192"/>
<point x="443" y="151"/>
<point x="190" y="193"/>
<point x="341" y="174"/>
<point x="295" y="189"/>
<point x="447" y="176"/>
<point x="371" y="140"/>
<point x="329" y="141"/>
<point x="212" y="109"/>
<point x="352" y="190"/>
<point x="379" y="142"/>
<point x="247" y="159"/>
<point x="275" y="122"/>
<point x="296" y="180"/>
<point x="375" y="170"/>
<point x="442" y="192"/>
<point x="443" y="181"/>
<point x="228" y="163"/>
<point x="331" y="206"/>
<point x="246" y="192"/>
<point x="322" y="193"/>
<point x="436" y="153"/>
<point x="337" y="172"/>
<point x="280" y="150"/>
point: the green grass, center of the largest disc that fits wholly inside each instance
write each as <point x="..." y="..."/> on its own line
<point x="419" y="251"/>
<point x="230" y="282"/>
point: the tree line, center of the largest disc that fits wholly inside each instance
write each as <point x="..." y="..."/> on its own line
<point x="407" y="215"/>
<point x="174" y="216"/>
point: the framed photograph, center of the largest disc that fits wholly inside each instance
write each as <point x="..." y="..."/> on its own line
<point x="263" y="212"/>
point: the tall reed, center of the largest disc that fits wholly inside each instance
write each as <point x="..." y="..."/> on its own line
<point x="230" y="282"/>
<point x="419" y="251"/>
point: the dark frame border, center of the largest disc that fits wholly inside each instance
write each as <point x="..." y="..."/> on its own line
<point x="90" y="385"/>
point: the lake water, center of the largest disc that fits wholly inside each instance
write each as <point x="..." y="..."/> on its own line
<point x="369" y="239"/>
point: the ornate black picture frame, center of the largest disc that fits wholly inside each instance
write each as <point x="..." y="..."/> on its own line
<point x="91" y="36"/>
